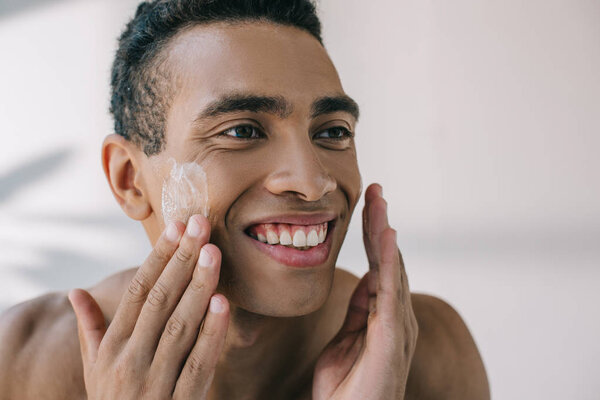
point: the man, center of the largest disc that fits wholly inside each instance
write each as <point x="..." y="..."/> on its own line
<point x="234" y="148"/>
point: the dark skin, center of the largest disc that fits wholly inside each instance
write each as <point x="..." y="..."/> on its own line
<point x="243" y="325"/>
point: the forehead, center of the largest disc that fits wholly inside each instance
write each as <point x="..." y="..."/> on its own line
<point x="250" y="57"/>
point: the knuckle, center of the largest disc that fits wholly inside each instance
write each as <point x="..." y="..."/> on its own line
<point x="161" y="254"/>
<point x="209" y="332"/>
<point x="145" y="391"/>
<point x="138" y="288"/>
<point x="197" y="285"/>
<point x="184" y="255"/>
<point x="158" y="297"/>
<point x="109" y="347"/>
<point x="175" y="329"/>
<point x="400" y="295"/>
<point x="196" y="364"/>
<point x="124" y="366"/>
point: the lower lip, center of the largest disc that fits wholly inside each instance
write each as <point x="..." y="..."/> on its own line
<point x="297" y="258"/>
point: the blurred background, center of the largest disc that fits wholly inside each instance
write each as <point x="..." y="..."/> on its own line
<point x="480" y="119"/>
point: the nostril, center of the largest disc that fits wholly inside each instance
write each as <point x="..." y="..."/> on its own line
<point x="308" y="184"/>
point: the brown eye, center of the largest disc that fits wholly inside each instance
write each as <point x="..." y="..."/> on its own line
<point x="243" y="132"/>
<point x="336" y="133"/>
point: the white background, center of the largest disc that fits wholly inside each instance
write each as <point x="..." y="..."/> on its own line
<point x="481" y="120"/>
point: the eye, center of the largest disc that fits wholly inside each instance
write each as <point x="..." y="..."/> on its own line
<point x="335" y="133"/>
<point x="243" y="132"/>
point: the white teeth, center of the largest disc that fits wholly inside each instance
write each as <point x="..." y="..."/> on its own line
<point x="272" y="237"/>
<point x="312" y="239"/>
<point x="299" y="238"/>
<point x="285" y="238"/>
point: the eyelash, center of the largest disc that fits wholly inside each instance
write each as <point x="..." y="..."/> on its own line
<point x="346" y="133"/>
<point x="259" y="132"/>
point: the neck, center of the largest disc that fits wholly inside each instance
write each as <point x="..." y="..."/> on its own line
<point x="262" y="355"/>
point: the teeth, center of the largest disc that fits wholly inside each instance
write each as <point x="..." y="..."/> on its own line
<point x="272" y="237"/>
<point x="312" y="239"/>
<point x="285" y="238"/>
<point x="304" y="236"/>
<point x="299" y="238"/>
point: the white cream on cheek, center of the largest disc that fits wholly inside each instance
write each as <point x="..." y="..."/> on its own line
<point x="184" y="192"/>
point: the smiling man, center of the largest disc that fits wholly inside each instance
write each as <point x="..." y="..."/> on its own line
<point x="234" y="148"/>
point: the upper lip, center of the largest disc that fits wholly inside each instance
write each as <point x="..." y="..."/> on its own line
<point x="295" y="219"/>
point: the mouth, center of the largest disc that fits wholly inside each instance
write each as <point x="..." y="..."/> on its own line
<point x="294" y="241"/>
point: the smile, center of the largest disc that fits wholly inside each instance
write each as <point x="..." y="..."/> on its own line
<point x="301" y="237"/>
<point x="303" y="244"/>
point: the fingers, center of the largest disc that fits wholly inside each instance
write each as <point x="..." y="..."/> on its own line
<point x="198" y="372"/>
<point x="170" y="285"/>
<point x="358" y="308"/>
<point x="131" y="304"/>
<point x="374" y="222"/>
<point x="91" y="325"/>
<point x="390" y="291"/>
<point x="389" y="279"/>
<point x="181" y="331"/>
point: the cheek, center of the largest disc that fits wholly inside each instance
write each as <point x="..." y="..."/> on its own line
<point x="347" y="175"/>
<point x="184" y="192"/>
<point x="233" y="175"/>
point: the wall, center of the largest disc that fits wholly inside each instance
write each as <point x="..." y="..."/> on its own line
<point x="479" y="118"/>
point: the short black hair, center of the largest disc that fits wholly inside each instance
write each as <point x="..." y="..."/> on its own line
<point x="141" y="81"/>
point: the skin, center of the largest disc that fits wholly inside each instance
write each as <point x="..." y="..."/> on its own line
<point x="272" y="331"/>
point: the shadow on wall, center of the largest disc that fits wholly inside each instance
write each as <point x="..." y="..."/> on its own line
<point x="52" y="266"/>
<point x="8" y="7"/>
<point x="31" y="172"/>
<point x="61" y="270"/>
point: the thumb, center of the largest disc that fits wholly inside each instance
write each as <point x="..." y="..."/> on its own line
<point x="358" y="308"/>
<point x="90" y="324"/>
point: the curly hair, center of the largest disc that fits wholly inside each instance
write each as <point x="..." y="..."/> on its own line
<point x="141" y="81"/>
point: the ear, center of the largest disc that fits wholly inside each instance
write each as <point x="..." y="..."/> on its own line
<point x="121" y="163"/>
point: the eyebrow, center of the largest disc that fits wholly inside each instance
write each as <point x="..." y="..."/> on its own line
<point x="276" y="105"/>
<point x="243" y="102"/>
<point x="331" y="104"/>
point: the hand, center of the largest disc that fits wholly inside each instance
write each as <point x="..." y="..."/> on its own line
<point x="169" y="328"/>
<point x="370" y="356"/>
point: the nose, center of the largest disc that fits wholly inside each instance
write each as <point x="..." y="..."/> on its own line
<point x="298" y="170"/>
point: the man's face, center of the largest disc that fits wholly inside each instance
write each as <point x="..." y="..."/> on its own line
<point x="260" y="123"/>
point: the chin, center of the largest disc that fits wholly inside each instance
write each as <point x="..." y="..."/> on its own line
<point x="275" y="291"/>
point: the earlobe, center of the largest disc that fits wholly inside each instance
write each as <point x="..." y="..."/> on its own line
<point x="121" y="167"/>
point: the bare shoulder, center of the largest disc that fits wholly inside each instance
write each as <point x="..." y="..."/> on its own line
<point x="39" y="350"/>
<point x="345" y="281"/>
<point x="446" y="363"/>
<point x="39" y="347"/>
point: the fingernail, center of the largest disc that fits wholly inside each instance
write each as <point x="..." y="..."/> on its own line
<point x="205" y="260"/>
<point x="193" y="228"/>
<point x="172" y="233"/>
<point x="216" y="305"/>
<point x="380" y="190"/>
